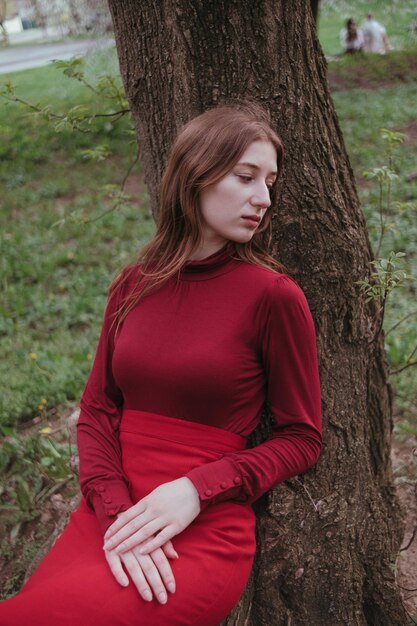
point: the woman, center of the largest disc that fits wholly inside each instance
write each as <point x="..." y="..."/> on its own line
<point x="351" y="37"/>
<point x="197" y="334"/>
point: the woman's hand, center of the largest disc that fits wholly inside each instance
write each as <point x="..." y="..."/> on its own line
<point x="165" y="512"/>
<point x="149" y="573"/>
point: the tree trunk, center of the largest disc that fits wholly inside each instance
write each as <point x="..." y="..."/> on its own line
<point x="328" y="540"/>
<point x="315" y="9"/>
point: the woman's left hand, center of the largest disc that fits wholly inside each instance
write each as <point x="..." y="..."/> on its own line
<point x="165" y="512"/>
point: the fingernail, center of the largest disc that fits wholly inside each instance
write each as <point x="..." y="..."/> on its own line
<point x="125" y="582"/>
<point x="147" y="595"/>
<point x="177" y="556"/>
<point x="107" y="545"/>
<point x="171" y="587"/>
<point x="162" y="598"/>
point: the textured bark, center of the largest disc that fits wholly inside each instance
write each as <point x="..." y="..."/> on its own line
<point x="315" y="9"/>
<point x="326" y="540"/>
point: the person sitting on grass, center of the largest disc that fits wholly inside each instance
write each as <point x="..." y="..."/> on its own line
<point x="376" y="38"/>
<point x="351" y="37"/>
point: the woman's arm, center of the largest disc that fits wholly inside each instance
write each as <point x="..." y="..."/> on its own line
<point x="287" y="344"/>
<point x="102" y="481"/>
<point x="288" y="349"/>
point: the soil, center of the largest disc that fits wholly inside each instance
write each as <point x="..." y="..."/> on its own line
<point x="366" y="74"/>
<point x="404" y="459"/>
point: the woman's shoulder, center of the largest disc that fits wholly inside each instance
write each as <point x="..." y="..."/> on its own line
<point x="124" y="280"/>
<point x="271" y="285"/>
<point x="266" y="275"/>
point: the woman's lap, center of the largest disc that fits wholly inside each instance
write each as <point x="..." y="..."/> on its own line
<point x="73" y="586"/>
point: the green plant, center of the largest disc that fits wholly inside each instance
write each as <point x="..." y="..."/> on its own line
<point x="31" y="470"/>
<point x="386" y="276"/>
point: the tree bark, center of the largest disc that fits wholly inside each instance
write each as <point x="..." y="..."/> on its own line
<point x="328" y="540"/>
<point x="315" y="4"/>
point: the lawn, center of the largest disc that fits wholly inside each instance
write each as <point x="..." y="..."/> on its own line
<point x="396" y="15"/>
<point x="57" y="254"/>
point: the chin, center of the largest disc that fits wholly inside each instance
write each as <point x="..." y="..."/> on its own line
<point x="241" y="238"/>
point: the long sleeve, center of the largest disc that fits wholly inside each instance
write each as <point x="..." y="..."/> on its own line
<point x="288" y="351"/>
<point x="102" y="481"/>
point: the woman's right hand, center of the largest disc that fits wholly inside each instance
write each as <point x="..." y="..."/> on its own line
<point x="151" y="573"/>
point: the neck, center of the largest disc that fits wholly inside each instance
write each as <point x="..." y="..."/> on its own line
<point x="206" y="249"/>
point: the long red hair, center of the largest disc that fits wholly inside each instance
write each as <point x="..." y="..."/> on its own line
<point x="205" y="150"/>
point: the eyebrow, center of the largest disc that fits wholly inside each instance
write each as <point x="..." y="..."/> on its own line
<point x="256" y="167"/>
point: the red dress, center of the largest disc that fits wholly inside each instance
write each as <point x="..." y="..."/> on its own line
<point x="175" y="393"/>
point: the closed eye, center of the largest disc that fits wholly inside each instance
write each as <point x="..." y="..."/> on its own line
<point x="245" y="178"/>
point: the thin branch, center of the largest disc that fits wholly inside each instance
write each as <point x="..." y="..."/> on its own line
<point x="381" y="217"/>
<point x="405" y="588"/>
<point x="76" y="122"/>
<point x="412" y="354"/>
<point x="121" y="113"/>
<point x="122" y="186"/>
<point x="129" y="171"/>
<point x="401" y="369"/>
<point x="381" y="312"/>
<point x="409" y="544"/>
<point x="400" y="322"/>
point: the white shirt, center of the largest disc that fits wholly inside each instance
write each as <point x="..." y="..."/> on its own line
<point x="355" y="44"/>
<point x="373" y="32"/>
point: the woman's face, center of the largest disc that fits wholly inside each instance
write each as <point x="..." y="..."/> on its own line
<point x="244" y="193"/>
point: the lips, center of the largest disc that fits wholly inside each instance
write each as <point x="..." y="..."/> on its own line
<point x="251" y="220"/>
<point x="255" y="218"/>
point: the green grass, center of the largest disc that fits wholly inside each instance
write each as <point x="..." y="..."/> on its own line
<point x="56" y="261"/>
<point x="395" y="15"/>
<point x="362" y="114"/>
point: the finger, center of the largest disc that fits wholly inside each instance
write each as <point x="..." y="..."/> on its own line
<point x="164" y="569"/>
<point x="157" y="542"/>
<point x="153" y="577"/>
<point x="170" y="551"/>
<point x="125" y="517"/>
<point x="139" y="537"/>
<point x="116" y="568"/>
<point x="130" y="529"/>
<point x="136" y="574"/>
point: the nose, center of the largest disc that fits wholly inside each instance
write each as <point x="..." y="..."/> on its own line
<point x="261" y="197"/>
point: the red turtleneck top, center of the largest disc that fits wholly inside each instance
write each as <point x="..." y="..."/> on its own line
<point x="210" y="347"/>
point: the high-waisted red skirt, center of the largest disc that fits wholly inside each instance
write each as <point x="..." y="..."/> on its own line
<point x="74" y="586"/>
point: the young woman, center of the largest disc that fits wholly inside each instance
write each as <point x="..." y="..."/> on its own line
<point x="198" y="335"/>
<point x="351" y="37"/>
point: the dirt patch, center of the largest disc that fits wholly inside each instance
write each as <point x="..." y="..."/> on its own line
<point x="410" y="132"/>
<point x="372" y="71"/>
<point x="404" y="458"/>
